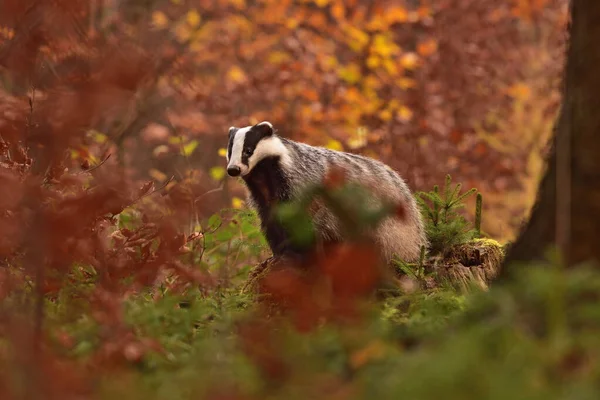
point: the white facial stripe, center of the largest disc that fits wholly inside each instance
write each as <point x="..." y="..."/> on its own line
<point x="270" y="125"/>
<point x="269" y="147"/>
<point x="237" y="148"/>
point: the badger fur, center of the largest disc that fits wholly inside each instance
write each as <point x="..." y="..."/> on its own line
<point x="276" y="169"/>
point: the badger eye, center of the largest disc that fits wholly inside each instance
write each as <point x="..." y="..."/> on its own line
<point x="247" y="153"/>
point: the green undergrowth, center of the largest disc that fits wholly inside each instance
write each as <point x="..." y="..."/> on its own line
<point x="536" y="337"/>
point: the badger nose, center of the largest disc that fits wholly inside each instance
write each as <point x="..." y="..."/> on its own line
<point x="233" y="171"/>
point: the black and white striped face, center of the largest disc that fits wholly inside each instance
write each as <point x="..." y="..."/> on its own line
<point x="249" y="145"/>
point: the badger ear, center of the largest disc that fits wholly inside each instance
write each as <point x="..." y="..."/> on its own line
<point x="231" y="130"/>
<point x="265" y="128"/>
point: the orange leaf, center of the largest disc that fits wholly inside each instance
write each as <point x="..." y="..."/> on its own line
<point x="427" y="47"/>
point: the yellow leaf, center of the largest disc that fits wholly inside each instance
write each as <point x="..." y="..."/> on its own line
<point x="159" y="20"/>
<point x="217" y="173"/>
<point x="321" y="3"/>
<point x="390" y="67"/>
<point x="223" y="152"/>
<point x="406" y="83"/>
<point x="189" y="148"/>
<point x="384" y="46"/>
<point x="385" y="115"/>
<point x="358" y="38"/>
<point x="404" y="113"/>
<point x="377" y="24"/>
<point x="334" y="145"/>
<point x="193" y="18"/>
<point x="236" y="74"/>
<point x="98" y="137"/>
<point x="277" y="57"/>
<point x="236" y="202"/>
<point x="329" y="62"/>
<point x="350" y="73"/>
<point x="156" y="174"/>
<point x="292" y="23"/>
<point x="359" y="139"/>
<point x="393" y="104"/>
<point x="409" y="60"/>
<point x="373" y="62"/>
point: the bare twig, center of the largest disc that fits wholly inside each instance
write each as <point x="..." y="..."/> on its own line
<point x="96" y="166"/>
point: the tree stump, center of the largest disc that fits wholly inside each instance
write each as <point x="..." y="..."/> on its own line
<point x="477" y="263"/>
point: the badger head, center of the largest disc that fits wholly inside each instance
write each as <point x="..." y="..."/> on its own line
<point x="250" y="145"/>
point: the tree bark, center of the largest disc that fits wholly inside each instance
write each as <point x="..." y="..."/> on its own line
<point x="567" y="210"/>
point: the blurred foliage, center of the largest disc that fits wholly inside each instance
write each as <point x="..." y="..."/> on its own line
<point x="430" y="87"/>
<point x="123" y="245"/>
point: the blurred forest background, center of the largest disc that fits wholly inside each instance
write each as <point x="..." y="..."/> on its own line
<point x="124" y="245"/>
<point x="465" y="87"/>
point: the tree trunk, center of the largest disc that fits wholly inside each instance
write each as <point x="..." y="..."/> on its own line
<point x="570" y="216"/>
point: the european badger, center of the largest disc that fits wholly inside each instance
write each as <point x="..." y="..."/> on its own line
<point x="276" y="169"/>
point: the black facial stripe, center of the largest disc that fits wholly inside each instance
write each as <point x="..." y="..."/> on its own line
<point x="253" y="137"/>
<point x="230" y="144"/>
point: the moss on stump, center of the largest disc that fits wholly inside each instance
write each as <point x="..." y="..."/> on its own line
<point x="476" y="262"/>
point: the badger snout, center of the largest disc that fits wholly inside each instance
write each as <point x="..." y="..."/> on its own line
<point x="233" y="171"/>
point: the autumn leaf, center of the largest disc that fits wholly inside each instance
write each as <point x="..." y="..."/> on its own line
<point x="427" y="47"/>
<point x="159" y="20"/>
<point x="373" y="62"/>
<point x="160" y="150"/>
<point x="357" y="39"/>
<point x="334" y="145"/>
<point x="156" y="174"/>
<point x="217" y="173"/>
<point x="519" y="91"/>
<point x="189" y="148"/>
<point x="359" y="139"/>
<point x="350" y="73"/>
<point x="338" y="11"/>
<point x="236" y="74"/>
<point x="222" y="152"/>
<point x="384" y="46"/>
<point x="396" y="14"/>
<point x="278" y="57"/>
<point x="385" y="115"/>
<point x="409" y="61"/>
<point x="193" y="18"/>
<point x="239" y="4"/>
<point x="405" y="114"/>
<point x="406" y="83"/>
<point x="236" y="202"/>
